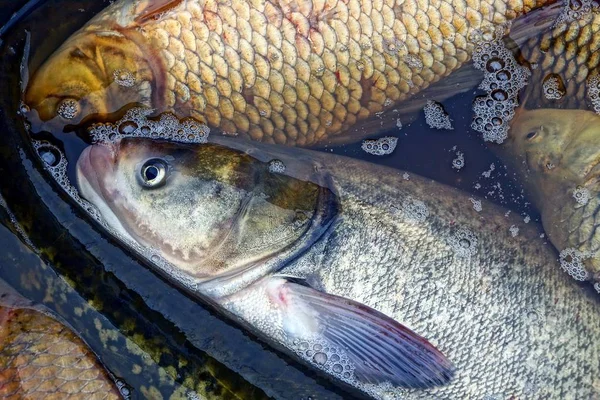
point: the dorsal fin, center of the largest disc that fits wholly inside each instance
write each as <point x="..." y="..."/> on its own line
<point x="149" y="9"/>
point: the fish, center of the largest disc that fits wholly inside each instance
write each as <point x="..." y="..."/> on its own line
<point x="389" y="283"/>
<point x="555" y="154"/>
<point x="40" y="358"/>
<point x="564" y="62"/>
<point x="283" y="71"/>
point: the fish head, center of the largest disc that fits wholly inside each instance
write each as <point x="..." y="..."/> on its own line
<point x="92" y="73"/>
<point x="207" y="209"/>
<point x="554" y="147"/>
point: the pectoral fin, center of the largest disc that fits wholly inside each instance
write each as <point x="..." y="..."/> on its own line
<point x="378" y="348"/>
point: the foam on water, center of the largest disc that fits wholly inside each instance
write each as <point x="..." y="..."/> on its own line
<point x="436" y="117"/>
<point x="581" y="195"/>
<point x="56" y="164"/>
<point x="571" y="260"/>
<point x="463" y="242"/>
<point x="414" y="210"/>
<point x="503" y="79"/>
<point x="593" y="91"/>
<point x="380" y="147"/>
<point x="459" y="162"/>
<point x="553" y="87"/>
<point x="135" y="123"/>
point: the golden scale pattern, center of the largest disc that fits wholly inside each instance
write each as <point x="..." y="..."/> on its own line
<point x="295" y="73"/>
<point x="42" y="359"/>
<point x="571" y="52"/>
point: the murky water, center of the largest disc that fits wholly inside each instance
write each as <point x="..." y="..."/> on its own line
<point x="124" y="312"/>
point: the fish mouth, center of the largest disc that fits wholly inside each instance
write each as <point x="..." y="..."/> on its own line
<point x="92" y="161"/>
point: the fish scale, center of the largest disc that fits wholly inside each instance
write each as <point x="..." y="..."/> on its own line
<point x="569" y="51"/>
<point x="42" y="359"/>
<point x="294" y="72"/>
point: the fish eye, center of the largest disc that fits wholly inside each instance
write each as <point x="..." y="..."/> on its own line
<point x="153" y="173"/>
<point x="531" y="134"/>
<point x="68" y="108"/>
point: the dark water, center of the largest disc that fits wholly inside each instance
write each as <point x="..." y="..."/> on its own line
<point x="65" y="263"/>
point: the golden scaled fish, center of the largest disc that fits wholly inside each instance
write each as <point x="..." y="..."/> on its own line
<point x="42" y="359"/>
<point x="557" y="154"/>
<point x="282" y="71"/>
<point x="565" y="63"/>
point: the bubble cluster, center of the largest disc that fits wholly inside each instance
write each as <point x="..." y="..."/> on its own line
<point x="413" y="61"/>
<point x="124" y="78"/>
<point x="123" y="388"/>
<point x="503" y="79"/>
<point x="276" y="166"/>
<point x="136" y="123"/>
<point x="414" y="210"/>
<point x="380" y="147"/>
<point x="581" y="195"/>
<point x="436" y="117"/>
<point x="463" y="242"/>
<point x="476" y="204"/>
<point x="571" y="260"/>
<point x="329" y="358"/>
<point x="514" y="230"/>
<point x="55" y="163"/>
<point x="398" y="124"/>
<point x="577" y="10"/>
<point x="593" y="91"/>
<point x="68" y="108"/>
<point x="459" y="161"/>
<point x="553" y="87"/>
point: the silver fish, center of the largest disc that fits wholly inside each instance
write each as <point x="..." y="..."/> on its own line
<point x="325" y="257"/>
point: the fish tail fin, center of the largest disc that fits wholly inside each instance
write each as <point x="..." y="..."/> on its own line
<point x="377" y="348"/>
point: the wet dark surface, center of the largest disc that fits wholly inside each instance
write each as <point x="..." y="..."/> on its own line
<point x="89" y="281"/>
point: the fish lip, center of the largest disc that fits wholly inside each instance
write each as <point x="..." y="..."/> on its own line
<point x="90" y="162"/>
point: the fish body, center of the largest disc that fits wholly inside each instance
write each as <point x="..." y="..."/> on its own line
<point x="564" y="63"/>
<point x="345" y="264"/>
<point x="286" y="72"/>
<point x="42" y="359"/>
<point x="556" y="153"/>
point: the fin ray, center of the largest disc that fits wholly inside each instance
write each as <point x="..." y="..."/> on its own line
<point x="380" y="348"/>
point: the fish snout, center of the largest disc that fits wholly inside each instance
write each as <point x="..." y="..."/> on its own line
<point x="95" y="163"/>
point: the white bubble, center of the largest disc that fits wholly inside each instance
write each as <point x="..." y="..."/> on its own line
<point x="503" y="79"/>
<point x="124" y="78"/>
<point x="514" y="230"/>
<point x="593" y="91"/>
<point x="414" y="210"/>
<point x="571" y="260"/>
<point x="581" y="195"/>
<point x="459" y="161"/>
<point x="436" y="117"/>
<point x="276" y="166"/>
<point x="380" y="147"/>
<point x="463" y="242"/>
<point x="553" y="87"/>
<point x="135" y="123"/>
<point x="68" y="108"/>
<point x="476" y="204"/>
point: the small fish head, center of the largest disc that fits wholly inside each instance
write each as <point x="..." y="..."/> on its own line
<point x="205" y="208"/>
<point x="92" y="74"/>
